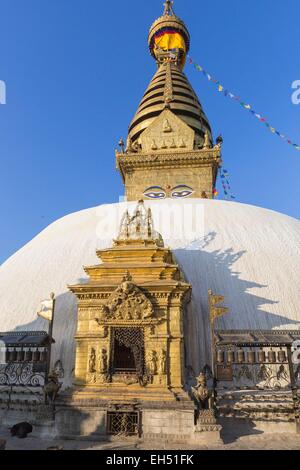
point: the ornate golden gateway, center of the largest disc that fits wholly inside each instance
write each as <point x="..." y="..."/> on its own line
<point x="130" y="317"/>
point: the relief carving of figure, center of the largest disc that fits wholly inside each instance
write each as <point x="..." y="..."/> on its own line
<point x="103" y="361"/>
<point x="162" y="362"/>
<point x="152" y="363"/>
<point x="129" y="302"/>
<point x="92" y="361"/>
<point x="166" y="126"/>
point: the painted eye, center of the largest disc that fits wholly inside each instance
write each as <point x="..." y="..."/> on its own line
<point x="155" y="195"/>
<point x="155" y="192"/>
<point x="182" y="191"/>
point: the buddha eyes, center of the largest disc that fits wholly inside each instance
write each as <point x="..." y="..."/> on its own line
<point x="181" y="191"/>
<point x="156" y="192"/>
<point x="155" y="195"/>
<point x="186" y="193"/>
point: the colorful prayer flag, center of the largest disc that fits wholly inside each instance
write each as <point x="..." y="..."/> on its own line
<point x="243" y="104"/>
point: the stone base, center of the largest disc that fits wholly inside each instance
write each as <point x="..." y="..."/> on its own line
<point x="45" y="413"/>
<point x="207" y="430"/>
<point x="207" y="437"/>
<point x="264" y="411"/>
<point x="168" y="424"/>
<point x="173" y="423"/>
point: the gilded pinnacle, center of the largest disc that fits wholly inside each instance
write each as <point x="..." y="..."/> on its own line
<point x="169" y="8"/>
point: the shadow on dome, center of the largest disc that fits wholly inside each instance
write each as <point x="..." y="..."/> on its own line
<point x="64" y="330"/>
<point x="247" y="310"/>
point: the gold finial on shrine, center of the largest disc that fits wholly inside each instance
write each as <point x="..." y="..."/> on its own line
<point x="169" y="8"/>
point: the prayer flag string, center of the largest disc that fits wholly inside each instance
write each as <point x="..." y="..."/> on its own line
<point x="248" y="107"/>
<point x="226" y="184"/>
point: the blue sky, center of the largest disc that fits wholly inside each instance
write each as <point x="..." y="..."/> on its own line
<point x="75" y="71"/>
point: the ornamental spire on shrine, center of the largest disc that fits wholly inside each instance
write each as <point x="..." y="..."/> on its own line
<point x="169" y="8"/>
<point x="169" y="152"/>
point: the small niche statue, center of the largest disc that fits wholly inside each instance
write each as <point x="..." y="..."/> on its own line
<point x="152" y="363"/>
<point x="203" y="396"/>
<point x="166" y="126"/>
<point x="92" y="361"/>
<point x="51" y="388"/>
<point x="207" y="143"/>
<point x="103" y="361"/>
<point x="162" y="362"/>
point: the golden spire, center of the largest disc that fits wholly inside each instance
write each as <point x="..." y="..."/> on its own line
<point x="169" y="43"/>
<point x="169" y="8"/>
<point x="169" y="37"/>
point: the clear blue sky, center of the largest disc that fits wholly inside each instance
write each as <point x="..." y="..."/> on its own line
<point x="75" y="71"/>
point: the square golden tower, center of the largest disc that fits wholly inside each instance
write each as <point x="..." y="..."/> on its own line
<point x="130" y="339"/>
<point x="130" y="317"/>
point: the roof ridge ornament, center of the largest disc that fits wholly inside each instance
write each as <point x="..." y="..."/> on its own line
<point x="139" y="226"/>
<point x="169" y="8"/>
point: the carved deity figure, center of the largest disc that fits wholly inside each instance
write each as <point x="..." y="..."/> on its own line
<point x="128" y="302"/>
<point x="153" y="145"/>
<point x="103" y="361"/>
<point x="52" y="388"/>
<point x="202" y="394"/>
<point x="92" y="361"/>
<point x="166" y="126"/>
<point x="152" y="363"/>
<point x="162" y="362"/>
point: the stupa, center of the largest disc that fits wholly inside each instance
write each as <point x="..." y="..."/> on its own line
<point x="143" y="346"/>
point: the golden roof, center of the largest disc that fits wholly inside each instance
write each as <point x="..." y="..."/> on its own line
<point x="171" y="89"/>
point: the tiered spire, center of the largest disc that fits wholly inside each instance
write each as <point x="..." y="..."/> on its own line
<point x="170" y="133"/>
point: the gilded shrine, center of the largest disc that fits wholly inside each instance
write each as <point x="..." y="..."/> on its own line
<point x="130" y="317"/>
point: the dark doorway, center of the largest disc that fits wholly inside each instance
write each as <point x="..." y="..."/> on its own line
<point x="127" y="351"/>
<point x="123" y="358"/>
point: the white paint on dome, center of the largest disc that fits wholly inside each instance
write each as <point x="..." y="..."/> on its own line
<point x="249" y="254"/>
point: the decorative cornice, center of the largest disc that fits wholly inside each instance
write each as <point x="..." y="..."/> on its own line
<point x="164" y="160"/>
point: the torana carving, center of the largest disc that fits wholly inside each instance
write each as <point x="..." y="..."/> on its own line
<point x="128" y="302"/>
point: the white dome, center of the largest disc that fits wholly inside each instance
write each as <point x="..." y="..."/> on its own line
<point x="250" y="255"/>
